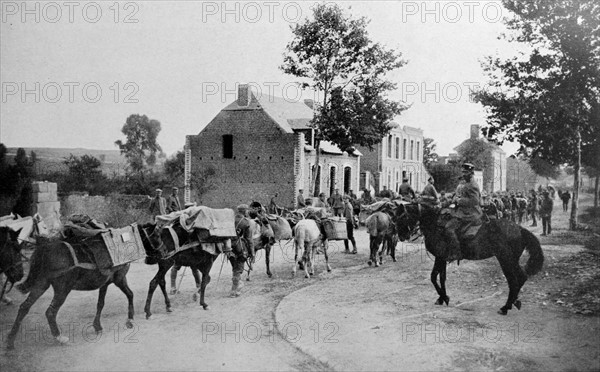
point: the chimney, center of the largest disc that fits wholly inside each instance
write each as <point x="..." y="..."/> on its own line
<point x="474" y="131"/>
<point x="244" y="95"/>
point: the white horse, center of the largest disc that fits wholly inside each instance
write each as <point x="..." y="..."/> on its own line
<point x="308" y="235"/>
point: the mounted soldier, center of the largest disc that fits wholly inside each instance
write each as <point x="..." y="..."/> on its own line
<point x="405" y="191"/>
<point x="467" y="212"/>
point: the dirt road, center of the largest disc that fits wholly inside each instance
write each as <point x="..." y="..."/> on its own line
<point x="355" y="318"/>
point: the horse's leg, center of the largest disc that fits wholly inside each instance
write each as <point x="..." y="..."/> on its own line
<point x="295" y="258"/>
<point x="267" y="260"/>
<point x="325" y="247"/>
<point x="197" y="280"/>
<point x="393" y="244"/>
<point x="434" y="275"/>
<point x="61" y="291"/>
<point x="378" y="244"/>
<point x="163" y="267"/>
<point x="383" y="250"/>
<point x="36" y="292"/>
<point x="99" y="307"/>
<point x="444" y="266"/>
<point x="508" y="268"/>
<point x="306" y="257"/>
<point x="121" y="282"/>
<point x="205" y="270"/>
<point x="372" y="242"/>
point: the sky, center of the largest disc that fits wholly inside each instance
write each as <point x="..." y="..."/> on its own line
<point x="72" y="72"/>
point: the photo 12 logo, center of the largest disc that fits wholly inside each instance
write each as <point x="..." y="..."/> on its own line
<point x="451" y="11"/>
<point x="69" y="12"/>
<point x="253" y="332"/>
<point x="71" y="92"/>
<point x="250" y="12"/>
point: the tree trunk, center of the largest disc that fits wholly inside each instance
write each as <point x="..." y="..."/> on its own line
<point x="596" y="192"/>
<point x="577" y="168"/>
<point x="315" y="172"/>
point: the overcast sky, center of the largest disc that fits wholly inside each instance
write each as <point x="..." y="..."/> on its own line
<point x="92" y="64"/>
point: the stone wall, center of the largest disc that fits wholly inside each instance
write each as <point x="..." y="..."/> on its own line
<point x="116" y="210"/>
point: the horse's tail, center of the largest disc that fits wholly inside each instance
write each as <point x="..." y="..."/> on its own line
<point x="536" y="256"/>
<point x="35" y="267"/>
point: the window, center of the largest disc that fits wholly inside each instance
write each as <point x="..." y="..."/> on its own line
<point x="389" y="144"/>
<point x="228" y="146"/>
<point x="397" y="147"/>
<point x="404" y="149"/>
<point x="412" y="149"/>
<point x="418" y="150"/>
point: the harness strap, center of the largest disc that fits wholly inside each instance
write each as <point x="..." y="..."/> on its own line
<point x="174" y="236"/>
<point x="83" y="265"/>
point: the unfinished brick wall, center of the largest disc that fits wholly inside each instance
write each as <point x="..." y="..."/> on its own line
<point x="46" y="204"/>
<point x="262" y="162"/>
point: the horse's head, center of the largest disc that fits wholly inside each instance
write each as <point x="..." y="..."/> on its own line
<point x="10" y="254"/>
<point x="406" y="218"/>
<point x="151" y="239"/>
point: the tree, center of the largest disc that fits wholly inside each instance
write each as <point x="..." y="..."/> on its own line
<point x="446" y="176"/>
<point x="543" y="168"/>
<point x="85" y="173"/>
<point x="549" y="98"/>
<point x="429" y="154"/>
<point x="477" y="152"/>
<point x="175" y="167"/>
<point x="333" y="55"/>
<point x="141" y="146"/>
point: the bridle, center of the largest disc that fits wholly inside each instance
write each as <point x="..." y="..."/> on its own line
<point x="154" y="248"/>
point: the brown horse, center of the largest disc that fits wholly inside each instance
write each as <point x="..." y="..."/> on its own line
<point x="498" y="238"/>
<point x="381" y="229"/>
<point x="11" y="264"/>
<point x="160" y="251"/>
<point x="52" y="264"/>
<point x="263" y="238"/>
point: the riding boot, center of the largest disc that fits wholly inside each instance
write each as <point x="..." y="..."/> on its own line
<point x="354" y="245"/>
<point x="454" y="253"/>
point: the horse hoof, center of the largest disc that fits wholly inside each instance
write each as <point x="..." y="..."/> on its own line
<point x="148" y="315"/>
<point x="439" y="301"/>
<point x="518" y="304"/>
<point x="270" y="275"/>
<point x="169" y="310"/>
<point x="447" y="300"/>
<point x="195" y="297"/>
<point x="328" y="270"/>
<point x="205" y="306"/>
<point x="394" y="260"/>
<point x="502" y="311"/>
<point x="129" y="323"/>
<point x="62" y="339"/>
<point x="370" y="263"/>
<point x="306" y="276"/>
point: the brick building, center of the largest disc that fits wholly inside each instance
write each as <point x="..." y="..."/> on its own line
<point x="520" y="176"/>
<point x="258" y="146"/>
<point x="399" y="155"/>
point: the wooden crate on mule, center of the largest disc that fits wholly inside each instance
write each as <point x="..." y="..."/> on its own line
<point x="335" y="228"/>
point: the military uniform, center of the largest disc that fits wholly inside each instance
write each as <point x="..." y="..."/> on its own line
<point x="158" y="205"/>
<point x="468" y="211"/>
<point x="429" y="195"/>
<point x="243" y="248"/>
<point x="348" y="213"/>
<point x="405" y="190"/>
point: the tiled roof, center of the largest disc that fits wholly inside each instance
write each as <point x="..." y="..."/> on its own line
<point x="289" y="114"/>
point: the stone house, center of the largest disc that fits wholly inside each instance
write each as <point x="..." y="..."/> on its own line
<point x="399" y="155"/>
<point x="260" y="145"/>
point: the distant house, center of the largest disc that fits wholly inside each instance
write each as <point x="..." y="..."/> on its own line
<point x="258" y="146"/>
<point x="399" y="155"/>
<point x="494" y="169"/>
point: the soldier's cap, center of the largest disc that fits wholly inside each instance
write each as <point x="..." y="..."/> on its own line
<point x="242" y="207"/>
<point x="468" y="167"/>
<point x="188" y="204"/>
<point x="175" y="188"/>
<point x="158" y="190"/>
<point x="405" y="179"/>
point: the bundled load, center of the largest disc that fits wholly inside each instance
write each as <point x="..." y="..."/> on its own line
<point x="208" y="228"/>
<point x="281" y="227"/>
<point x="335" y="228"/>
<point x="92" y="242"/>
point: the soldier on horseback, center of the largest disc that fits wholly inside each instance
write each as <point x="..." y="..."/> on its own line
<point x="467" y="212"/>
